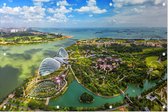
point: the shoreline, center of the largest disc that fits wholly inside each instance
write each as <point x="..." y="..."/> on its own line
<point x="35" y="42"/>
<point x="68" y="36"/>
<point x="100" y="94"/>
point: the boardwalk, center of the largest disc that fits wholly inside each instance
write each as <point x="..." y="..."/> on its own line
<point x="6" y="100"/>
<point x="125" y="95"/>
<point x="73" y="73"/>
<point x="47" y="101"/>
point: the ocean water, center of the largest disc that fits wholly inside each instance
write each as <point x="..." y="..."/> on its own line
<point x="127" y="33"/>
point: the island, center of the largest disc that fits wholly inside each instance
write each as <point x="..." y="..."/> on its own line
<point x="14" y="36"/>
<point x="86" y="98"/>
<point x="106" y="68"/>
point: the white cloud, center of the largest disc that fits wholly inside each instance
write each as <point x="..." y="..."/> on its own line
<point x="32" y="13"/>
<point x="59" y="14"/>
<point x="58" y="17"/>
<point x="91" y="8"/>
<point x="121" y="3"/>
<point x="137" y="16"/>
<point x="164" y="4"/>
<point x="90" y="15"/>
<point x="61" y="9"/>
<point x="139" y="13"/>
<point x="70" y="16"/>
<point x="63" y="3"/>
<point x="140" y="16"/>
<point x="39" y="2"/>
<point x="156" y="2"/>
<point x="136" y="10"/>
<point x="4" y="4"/>
<point x="136" y="13"/>
<point x="9" y="10"/>
<point x="110" y="4"/>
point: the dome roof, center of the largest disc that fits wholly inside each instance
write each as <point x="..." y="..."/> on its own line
<point x="48" y="66"/>
<point x="61" y="60"/>
<point x="62" y="53"/>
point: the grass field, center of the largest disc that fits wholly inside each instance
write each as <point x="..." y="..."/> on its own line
<point x="153" y="62"/>
<point x="148" y="50"/>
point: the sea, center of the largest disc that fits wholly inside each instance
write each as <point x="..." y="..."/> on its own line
<point x="122" y="33"/>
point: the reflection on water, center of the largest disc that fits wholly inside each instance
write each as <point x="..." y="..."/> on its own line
<point x="32" y="51"/>
<point x="24" y="56"/>
<point x="8" y="79"/>
<point x="49" y="53"/>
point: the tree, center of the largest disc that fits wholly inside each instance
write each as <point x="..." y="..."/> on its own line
<point x="106" y="105"/>
<point x="86" y="80"/>
<point x="86" y="98"/>
<point x="19" y="92"/>
<point x="33" y="105"/>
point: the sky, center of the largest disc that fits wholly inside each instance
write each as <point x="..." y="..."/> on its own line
<point x="83" y="13"/>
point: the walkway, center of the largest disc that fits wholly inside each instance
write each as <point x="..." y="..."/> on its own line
<point x="6" y="100"/>
<point x="125" y="105"/>
<point x="125" y="95"/>
<point x="47" y="101"/>
<point x="73" y="73"/>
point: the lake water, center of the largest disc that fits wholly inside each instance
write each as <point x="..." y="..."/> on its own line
<point x="19" y="62"/>
<point x="71" y="96"/>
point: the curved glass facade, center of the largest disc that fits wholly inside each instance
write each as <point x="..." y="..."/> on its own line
<point x="62" y="53"/>
<point x="48" y="66"/>
<point x="59" y="59"/>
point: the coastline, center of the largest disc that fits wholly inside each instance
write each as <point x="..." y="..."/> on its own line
<point x="33" y="42"/>
<point x="68" y="36"/>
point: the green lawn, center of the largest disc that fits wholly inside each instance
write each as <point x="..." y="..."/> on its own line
<point x="148" y="50"/>
<point x="153" y="62"/>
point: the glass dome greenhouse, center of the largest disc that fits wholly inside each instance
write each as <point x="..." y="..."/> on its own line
<point x="62" y="53"/>
<point x="48" y="66"/>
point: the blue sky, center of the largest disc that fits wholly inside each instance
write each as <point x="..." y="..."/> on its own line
<point x="83" y="13"/>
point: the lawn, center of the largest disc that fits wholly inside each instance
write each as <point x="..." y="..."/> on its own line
<point x="153" y="62"/>
<point x="148" y="50"/>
